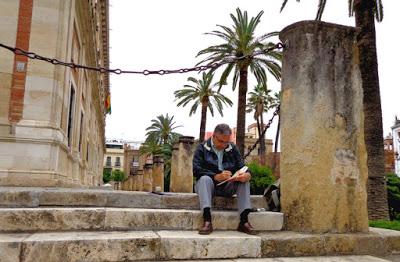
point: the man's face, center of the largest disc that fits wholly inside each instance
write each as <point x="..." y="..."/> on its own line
<point x="221" y="141"/>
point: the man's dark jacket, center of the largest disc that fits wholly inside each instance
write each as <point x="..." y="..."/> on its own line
<point x="205" y="160"/>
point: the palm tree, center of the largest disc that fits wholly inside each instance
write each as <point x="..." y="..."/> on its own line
<point x="161" y="130"/>
<point x="240" y="52"/>
<point x="259" y="102"/>
<point x="365" y="11"/>
<point x="201" y="92"/>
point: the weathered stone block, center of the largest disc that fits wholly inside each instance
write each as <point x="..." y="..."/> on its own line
<point x="51" y="219"/>
<point x="191" y="245"/>
<point x="323" y="161"/>
<point x="91" y="246"/>
<point x="142" y="219"/>
<point x="10" y="246"/>
<point x="288" y="244"/>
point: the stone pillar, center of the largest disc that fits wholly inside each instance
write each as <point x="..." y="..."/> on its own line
<point x="134" y="182"/>
<point x="158" y="172"/>
<point x="181" y="165"/>
<point x="323" y="161"/>
<point x="139" y="180"/>
<point x="148" y="177"/>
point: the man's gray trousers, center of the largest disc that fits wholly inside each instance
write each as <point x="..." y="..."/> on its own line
<point x="206" y="189"/>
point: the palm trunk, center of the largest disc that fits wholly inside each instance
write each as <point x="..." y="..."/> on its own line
<point x="278" y="129"/>
<point x="262" y="141"/>
<point x="203" y="121"/>
<point x="373" y="131"/>
<point x="241" y="113"/>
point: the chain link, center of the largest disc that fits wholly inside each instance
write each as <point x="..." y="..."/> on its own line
<point x="54" y="61"/>
<point x="263" y="132"/>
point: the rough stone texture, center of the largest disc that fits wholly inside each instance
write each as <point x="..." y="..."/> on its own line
<point x="143" y="219"/>
<point x="324" y="160"/>
<point x="10" y="246"/>
<point x="168" y="245"/>
<point x="91" y="246"/>
<point x="378" y="242"/>
<point x="45" y="219"/>
<point x="72" y="197"/>
<point x="391" y="237"/>
<point x="181" y="166"/>
<point x="68" y="219"/>
<point x="33" y="197"/>
<point x="378" y="207"/>
<point x="191" y="245"/>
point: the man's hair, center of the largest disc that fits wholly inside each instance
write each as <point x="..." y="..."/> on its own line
<point x="223" y="129"/>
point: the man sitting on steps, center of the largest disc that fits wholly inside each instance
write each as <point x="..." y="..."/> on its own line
<point x="214" y="161"/>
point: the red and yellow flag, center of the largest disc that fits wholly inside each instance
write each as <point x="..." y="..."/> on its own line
<point x="107" y="104"/>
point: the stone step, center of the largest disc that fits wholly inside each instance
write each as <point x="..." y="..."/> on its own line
<point x="302" y="259"/>
<point x="189" y="245"/>
<point x="92" y="218"/>
<point x="34" y="197"/>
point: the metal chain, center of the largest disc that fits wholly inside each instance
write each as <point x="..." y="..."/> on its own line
<point x="263" y="132"/>
<point x="54" y="61"/>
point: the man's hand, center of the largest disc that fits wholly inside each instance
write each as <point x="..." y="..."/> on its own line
<point x="224" y="175"/>
<point x="245" y="177"/>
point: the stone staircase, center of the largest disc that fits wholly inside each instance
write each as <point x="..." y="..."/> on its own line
<point x="45" y="224"/>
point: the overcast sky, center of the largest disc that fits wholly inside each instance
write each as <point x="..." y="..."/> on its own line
<point x="167" y="34"/>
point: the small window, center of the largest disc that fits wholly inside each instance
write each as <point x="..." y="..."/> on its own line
<point x="71" y="114"/>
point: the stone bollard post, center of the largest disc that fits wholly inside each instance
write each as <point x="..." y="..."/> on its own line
<point x="139" y="180"/>
<point x="158" y="173"/>
<point x="134" y="182"/>
<point x="323" y="160"/>
<point x="181" y="166"/>
<point x="148" y="175"/>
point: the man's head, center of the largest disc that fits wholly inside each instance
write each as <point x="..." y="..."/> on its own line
<point x="221" y="136"/>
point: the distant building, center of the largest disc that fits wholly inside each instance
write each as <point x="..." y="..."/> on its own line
<point x="115" y="157"/>
<point x="52" y="117"/>
<point x="389" y="154"/>
<point x="396" y="145"/>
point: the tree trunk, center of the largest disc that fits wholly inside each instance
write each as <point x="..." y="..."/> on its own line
<point x="262" y="141"/>
<point x="278" y="129"/>
<point x="241" y="113"/>
<point x="203" y="121"/>
<point x="373" y="131"/>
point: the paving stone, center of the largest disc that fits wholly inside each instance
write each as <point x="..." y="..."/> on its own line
<point x="96" y="218"/>
<point x="91" y="246"/>
<point x="142" y="219"/>
<point x="46" y="219"/>
<point x="72" y="197"/>
<point x="10" y="246"/>
<point x="220" y="244"/>
<point x="32" y="197"/>
<point x="19" y="197"/>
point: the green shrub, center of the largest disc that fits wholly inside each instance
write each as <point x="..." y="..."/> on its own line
<point x="118" y="175"/>
<point x="393" y="190"/>
<point x="106" y="175"/>
<point x="261" y="178"/>
<point x="395" y="224"/>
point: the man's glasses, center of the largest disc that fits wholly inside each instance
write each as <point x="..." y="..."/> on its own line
<point x="220" y="141"/>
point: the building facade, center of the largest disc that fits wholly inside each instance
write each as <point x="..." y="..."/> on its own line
<point x="396" y="145"/>
<point x="114" y="155"/>
<point x="52" y="118"/>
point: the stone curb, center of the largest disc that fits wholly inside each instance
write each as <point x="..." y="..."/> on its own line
<point x="170" y="245"/>
<point x="79" y="218"/>
<point x="35" y="197"/>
